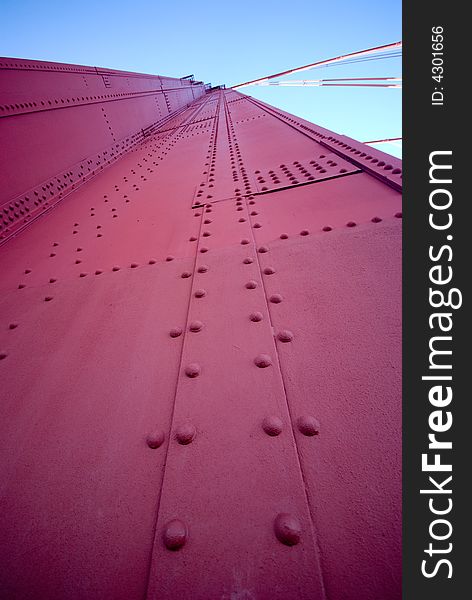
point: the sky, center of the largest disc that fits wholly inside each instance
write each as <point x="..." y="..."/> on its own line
<point x="227" y="43"/>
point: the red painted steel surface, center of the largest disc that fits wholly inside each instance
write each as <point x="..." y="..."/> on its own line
<point x="75" y="120"/>
<point x="200" y="359"/>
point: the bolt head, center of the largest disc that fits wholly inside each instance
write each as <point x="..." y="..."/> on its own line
<point x="185" y="434"/>
<point x="193" y="370"/>
<point x="155" y="439"/>
<point x="263" y="361"/>
<point x="195" y="326"/>
<point x="285" y="336"/>
<point x="308" y="425"/>
<point x="175" y="534"/>
<point x="287" y="529"/>
<point x="256" y="317"/>
<point x="272" y="425"/>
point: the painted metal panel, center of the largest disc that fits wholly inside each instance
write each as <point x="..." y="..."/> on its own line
<point x="165" y="323"/>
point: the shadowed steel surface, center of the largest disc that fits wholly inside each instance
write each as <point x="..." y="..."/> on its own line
<point x="200" y="346"/>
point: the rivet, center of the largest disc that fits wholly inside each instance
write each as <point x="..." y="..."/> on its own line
<point x="175" y="534"/>
<point x="98" y="272"/>
<point x="256" y="317"/>
<point x="155" y="439"/>
<point x="79" y="250"/>
<point x="285" y="336"/>
<point x="186" y="274"/>
<point x="207" y="221"/>
<point x="185" y="434"/>
<point x="376" y="219"/>
<point x="350" y="224"/>
<point x="116" y="268"/>
<point x="263" y="249"/>
<point x="276" y="299"/>
<point x="48" y="298"/>
<point x="169" y="258"/>
<point x="192" y="239"/>
<point x="283" y="236"/>
<point x="242" y="220"/>
<point x="83" y="275"/>
<point x="200" y="293"/>
<point x="52" y="280"/>
<point x="175" y="332"/>
<point x="195" y="326"/>
<point x="133" y="265"/>
<point x="287" y="529"/>
<point x="304" y="232"/>
<point x="308" y="425"/>
<point x="272" y="426"/>
<point x="250" y="285"/>
<point x="27" y="271"/>
<point x="152" y="261"/>
<point x="21" y="286"/>
<point x="398" y="215"/>
<point x="203" y="268"/>
<point x="206" y="234"/>
<point x="55" y="244"/>
<point x="203" y="250"/>
<point x="52" y="254"/>
<point x="3" y="355"/>
<point x="244" y="242"/>
<point x="269" y="271"/>
<point x="262" y="361"/>
<point x="248" y="260"/>
<point x="193" y="370"/>
<point x="327" y="228"/>
<point x="257" y="225"/>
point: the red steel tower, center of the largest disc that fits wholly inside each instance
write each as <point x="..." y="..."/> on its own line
<point x="200" y="345"/>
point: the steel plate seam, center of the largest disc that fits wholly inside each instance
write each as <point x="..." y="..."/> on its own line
<point x="171" y="423"/>
<point x="277" y="357"/>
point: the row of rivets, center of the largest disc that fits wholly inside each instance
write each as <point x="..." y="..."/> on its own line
<point x="287" y="530"/>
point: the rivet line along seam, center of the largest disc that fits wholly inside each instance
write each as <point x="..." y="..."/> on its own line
<point x="58" y="197"/>
<point x="171" y="425"/>
<point x="348" y="157"/>
<point x="17" y="112"/>
<point x="295" y="445"/>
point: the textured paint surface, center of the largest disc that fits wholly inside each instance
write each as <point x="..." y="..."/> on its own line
<point x="200" y="351"/>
